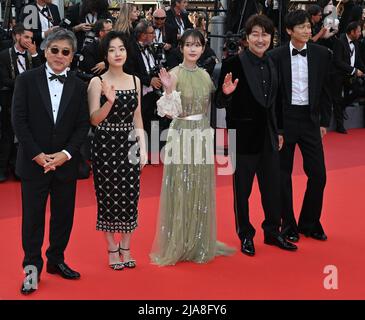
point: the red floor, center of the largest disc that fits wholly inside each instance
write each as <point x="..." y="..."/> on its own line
<point x="271" y="274"/>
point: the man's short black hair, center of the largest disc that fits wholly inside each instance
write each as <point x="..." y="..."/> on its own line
<point x="99" y="25"/>
<point x="20" y="29"/>
<point x="314" y="10"/>
<point x="352" y="26"/>
<point x="261" y="21"/>
<point x="295" y="18"/>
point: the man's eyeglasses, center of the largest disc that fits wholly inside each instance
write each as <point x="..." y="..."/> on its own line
<point x="65" y="52"/>
<point x="160" y="18"/>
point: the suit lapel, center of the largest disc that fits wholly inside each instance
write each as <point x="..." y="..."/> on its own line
<point x="273" y="83"/>
<point x="312" y="78"/>
<point x="67" y="91"/>
<point x="286" y="69"/>
<point x="44" y="91"/>
<point x="251" y="78"/>
<point x="14" y="57"/>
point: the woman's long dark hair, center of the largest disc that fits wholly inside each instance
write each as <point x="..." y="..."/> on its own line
<point x="88" y="6"/>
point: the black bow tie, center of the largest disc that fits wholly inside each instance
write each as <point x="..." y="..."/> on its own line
<point x="301" y="52"/>
<point x="24" y="55"/>
<point x="44" y="10"/>
<point x="59" y="77"/>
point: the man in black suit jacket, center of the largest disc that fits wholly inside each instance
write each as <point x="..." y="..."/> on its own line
<point x="164" y="33"/>
<point x="177" y="16"/>
<point x="143" y="66"/>
<point x="13" y="61"/>
<point x="347" y="64"/>
<point x="83" y="16"/>
<point x="41" y="16"/>
<point x="51" y="120"/>
<point x="305" y="104"/>
<point x="249" y="103"/>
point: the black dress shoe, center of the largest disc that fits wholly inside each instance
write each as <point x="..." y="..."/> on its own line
<point x="247" y="247"/>
<point x="317" y="235"/>
<point x="341" y="129"/>
<point x="63" y="270"/>
<point x="3" y="177"/>
<point x="280" y="242"/>
<point x="27" y="286"/>
<point x="292" y="236"/>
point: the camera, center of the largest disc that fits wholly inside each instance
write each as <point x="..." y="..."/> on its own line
<point x="84" y="76"/>
<point x="232" y="43"/>
<point x="159" y="52"/>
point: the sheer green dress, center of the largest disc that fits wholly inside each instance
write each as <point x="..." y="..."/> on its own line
<point x="186" y="227"/>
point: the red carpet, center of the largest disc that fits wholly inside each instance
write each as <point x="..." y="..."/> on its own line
<point x="271" y="274"/>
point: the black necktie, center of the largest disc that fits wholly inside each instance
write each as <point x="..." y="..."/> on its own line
<point x="59" y="77"/>
<point x="301" y="52"/>
<point x="24" y="55"/>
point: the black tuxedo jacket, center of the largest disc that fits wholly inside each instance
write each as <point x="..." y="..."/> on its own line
<point x="246" y="109"/>
<point x="319" y="61"/>
<point x="8" y="76"/>
<point x="37" y="34"/>
<point x="169" y="34"/>
<point x="92" y="56"/>
<point x="170" y="19"/>
<point x="137" y="65"/>
<point x="342" y="57"/>
<point x="34" y="127"/>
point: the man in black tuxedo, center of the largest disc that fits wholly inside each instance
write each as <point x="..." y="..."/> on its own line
<point x="143" y="65"/>
<point x="42" y="16"/>
<point x="164" y="33"/>
<point x="304" y="101"/>
<point x="347" y="64"/>
<point x="249" y="102"/>
<point x="93" y="61"/>
<point x="51" y="120"/>
<point x="13" y="61"/>
<point x="177" y="16"/>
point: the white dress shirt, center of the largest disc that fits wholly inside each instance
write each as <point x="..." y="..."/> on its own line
<point x="352" y="53"/>
<point x="55" y="90"/>
<point x="20" y="61"/>
<point x="45" y="23"/>
<point x="299" y="71"/>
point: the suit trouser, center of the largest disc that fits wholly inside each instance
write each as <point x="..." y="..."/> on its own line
<point x="62" y="204"/>
<point x="149" y="106"/>
<point x="302" y="131"/>
<point x="338" y="101"/>
<point x="7" y="146"/>
<point x="266" y="166"/>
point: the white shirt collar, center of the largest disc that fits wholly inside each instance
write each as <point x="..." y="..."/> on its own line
<point x="63" y="73"/>
<point x="16" y="50"/>
<point x="348" y="39"/>
<point x="40" y="7"/>
<point x="292" y="47"/>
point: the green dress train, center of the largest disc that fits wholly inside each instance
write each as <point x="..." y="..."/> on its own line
<point x="186" y="228"/>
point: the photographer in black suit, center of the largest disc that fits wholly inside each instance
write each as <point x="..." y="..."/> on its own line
<point x="51" y="120"/>
<point x="305" y="105"/>
<point x="47" y="18"/>
<point x="144" y="66"/>
<point x="177" y="17"/>
<point x="347" y="66"/>
<point x="93" y="62"/>
<point x="13" y="61"/>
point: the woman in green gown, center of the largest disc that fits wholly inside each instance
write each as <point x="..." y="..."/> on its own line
<point x="186" y="228"/>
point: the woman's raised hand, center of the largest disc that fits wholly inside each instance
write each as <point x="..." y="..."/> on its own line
<point x="166" y="79"/>
<point x="108" y="91"/>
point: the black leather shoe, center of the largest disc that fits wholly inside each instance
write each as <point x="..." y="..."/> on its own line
<point x="3" y="177"/>
<point x="317" y="235"/>
<point x="247" y="247"/>
<point x="27" y="287"/>
<point x="280" y="242"/>
<point x="292" y="236"/>
<point x="341" y="129"/>
<point x="63" y="270"/>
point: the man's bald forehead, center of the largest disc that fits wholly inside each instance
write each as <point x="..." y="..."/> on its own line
<point x="159" y="13"/>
